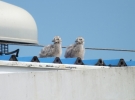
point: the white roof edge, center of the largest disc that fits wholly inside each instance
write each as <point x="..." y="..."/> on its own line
<point x="47" y="65"/>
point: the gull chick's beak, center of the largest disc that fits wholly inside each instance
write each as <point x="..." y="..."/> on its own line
<point x="53" y="40"/>
<point x="76" y="40"/>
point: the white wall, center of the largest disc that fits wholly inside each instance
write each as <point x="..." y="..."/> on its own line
<point x="90" y="84"/>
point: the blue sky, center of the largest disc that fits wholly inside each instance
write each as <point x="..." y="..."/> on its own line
<point x="102" y="23"/>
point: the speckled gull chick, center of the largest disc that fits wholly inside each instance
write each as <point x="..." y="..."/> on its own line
<point x="53" y="50"/>
<point x="76" y="50"/>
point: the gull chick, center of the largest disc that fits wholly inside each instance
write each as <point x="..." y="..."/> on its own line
<point x="76" y="50"/>
<point x="53" y="50"/>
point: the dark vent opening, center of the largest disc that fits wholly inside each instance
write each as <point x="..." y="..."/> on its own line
<point x="122" y="63"/>
<point x="57" y="60"/>
<point x="100" y="62"/>
<point x="13" y="58"/>
<point x="34" y="59"/>
<point x="79" y="61"/>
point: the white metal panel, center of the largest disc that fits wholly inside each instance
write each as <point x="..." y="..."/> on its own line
<point x="16" y="24"/>
<point x="90" y="84"/>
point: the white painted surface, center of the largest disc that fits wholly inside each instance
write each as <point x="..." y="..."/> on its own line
<point x="17" y="66"/>
<point x="16" y="24"/>
<point x="89" y="84"/>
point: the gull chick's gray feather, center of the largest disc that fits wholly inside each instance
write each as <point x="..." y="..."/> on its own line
<point x="76" y="50"/>
<point x="53" y="50"/>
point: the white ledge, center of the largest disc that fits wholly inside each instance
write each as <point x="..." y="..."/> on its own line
<point x="13" y="65"/>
